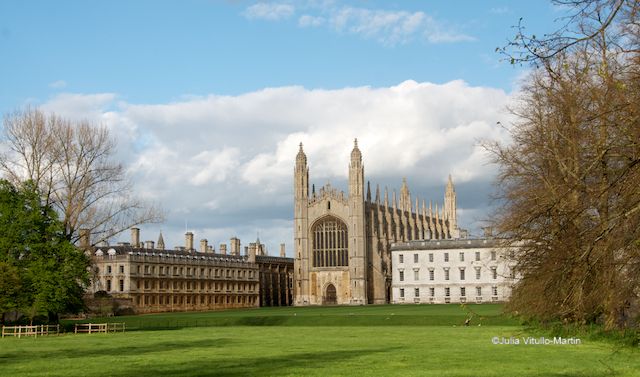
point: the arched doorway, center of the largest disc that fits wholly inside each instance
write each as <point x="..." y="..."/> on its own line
<point x="330" y="297"/>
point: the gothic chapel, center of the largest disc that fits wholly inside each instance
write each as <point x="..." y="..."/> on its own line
<point x="342" y="241"/>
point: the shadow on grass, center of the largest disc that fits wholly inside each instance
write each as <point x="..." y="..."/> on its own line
<point x="330" y="362"/>
<point x="96" y="351"/>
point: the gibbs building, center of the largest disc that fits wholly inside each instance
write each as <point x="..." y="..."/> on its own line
<point x="342" y="241"/>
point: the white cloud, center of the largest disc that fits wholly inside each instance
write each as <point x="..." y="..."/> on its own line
<point x="269" y="11"/>
<point x="224" y="163"/>
<point x="389" y="27"/>
<point x="310" y="21"/>
<point x="58" y="84"/>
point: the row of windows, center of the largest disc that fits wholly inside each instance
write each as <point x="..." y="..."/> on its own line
<point x="447" y="291"/>
<point x="204" y="272"/>
<point x="189" y="285"/>
<point x="416" y="257"/>
<point x="193" y="300"/>
<point x="416" y="273"/>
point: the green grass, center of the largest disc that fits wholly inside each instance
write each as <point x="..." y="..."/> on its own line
<point x="343" y="341"/>
<point x="375" y="315"/>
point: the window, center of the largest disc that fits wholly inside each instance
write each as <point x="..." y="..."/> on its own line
<point x="446" y="274"/>
<point x="478" y="273"/>
<point x="463" y="291"/>
<point x="402" y="292"/>
<point x="108" y="285"/>
<point x="430" y="257"/>
<point x="477" y="256"/>
<point x="461" y="257"/>
<point x="108" y="269"/>
<point x="493" y="255"/>
<point x="146" y="269"/>
<point x="431" y="274"/>
<point x="494" y="290"/>
<point x="121" y="269"/>
<point x="432" y="292"/>
<point x="401" y="275"/>
<point x="462" y="274"/>
<point x="416" y="292"/>
<point x="494" y="273"/>
<point x="121" y="285"/>
<point x="447" y="292"/>
<point x="446" y="257"/>
<point x="478" y="291"/>
<point x="416" y="274"/>
<point x="401" y="258"/>
<point x="415" y="258"/>
<point x="330" y="243"/>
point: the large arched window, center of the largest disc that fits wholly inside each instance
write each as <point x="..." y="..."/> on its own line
<point x="330" y="243"/>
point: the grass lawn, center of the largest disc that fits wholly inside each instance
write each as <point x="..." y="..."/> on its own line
<point x="330" y="347"/>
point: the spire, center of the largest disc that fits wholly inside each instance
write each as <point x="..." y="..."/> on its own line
<point x="378" y="193"/>
<point x="395" y="202"/>
<point x="405" y="196"/>
<point x="450" y="207"/>
<point x="301" y="158"/>
<point x="356" y="155"/>
<point x="386" y="197"/>
<point x="368" y="192"/>
<point x="160" y="242"/>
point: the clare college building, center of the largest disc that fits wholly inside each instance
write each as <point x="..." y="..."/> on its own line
<point x="147" y="277"/>
<point x="364" y="247"/>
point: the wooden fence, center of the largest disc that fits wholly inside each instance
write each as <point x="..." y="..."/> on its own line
<point x="91" y="328"/>
<point x="37" y="330"/>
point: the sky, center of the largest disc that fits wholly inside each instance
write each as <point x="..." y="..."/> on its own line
<point x="209" y="100"/>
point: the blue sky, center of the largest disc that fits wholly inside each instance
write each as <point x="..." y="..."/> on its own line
<point x="228" y="88"/>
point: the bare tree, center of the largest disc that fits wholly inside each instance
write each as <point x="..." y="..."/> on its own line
<point x="569" y="180"/>
<point x="72" y="165"/>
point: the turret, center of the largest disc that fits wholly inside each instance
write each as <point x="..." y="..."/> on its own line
<point x="357" y="255"/>
<point x="301" y="219"/>
<point x="450" y="209"/>
<point x="160" y="242"/>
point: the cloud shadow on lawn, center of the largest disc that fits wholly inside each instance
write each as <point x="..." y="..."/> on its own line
<point x="132" y="349"/>
<point x="255" y="365"/>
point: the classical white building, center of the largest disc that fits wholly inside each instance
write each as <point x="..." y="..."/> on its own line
<point x="452" y="270"/>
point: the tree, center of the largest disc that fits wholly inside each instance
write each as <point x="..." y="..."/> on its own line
<point x="72" y="166"/>
<point x="568" y="181"/>
<point x="46" y="272"/>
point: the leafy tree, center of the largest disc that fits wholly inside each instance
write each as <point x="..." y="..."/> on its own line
<point x="568" y="184"/>
<point x="47" y="272"/>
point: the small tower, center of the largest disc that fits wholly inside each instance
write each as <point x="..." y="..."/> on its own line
<point x="450" y="209"/>
<point x="301" y="223"/>
<point x="357" y="256"/>
<point x="160" y="242"/>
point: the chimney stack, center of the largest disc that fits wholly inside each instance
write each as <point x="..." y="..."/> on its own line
<point x="235" y="246"/>
<point x="283" y="252"/>
<point x="204" y="245"/>
<point x="223" y="248"/>
<point x="210" y="249"/>
<point x="149" y="245"/>
<point x="188" y="239"/>
<point x="135" y="237"/>
<point x="252" y="253"/>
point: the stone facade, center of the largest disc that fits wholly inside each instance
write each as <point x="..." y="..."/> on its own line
<point x="276" y="280"/>
<point x="342" y="241"/>
<point x="154" y="279"/>
<point x="443" y="271"/>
